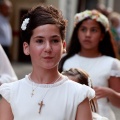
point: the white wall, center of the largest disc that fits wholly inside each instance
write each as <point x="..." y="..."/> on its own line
<point x="68" y="8"/>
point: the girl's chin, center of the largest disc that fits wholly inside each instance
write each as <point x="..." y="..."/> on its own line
<point x="50" y="67"/>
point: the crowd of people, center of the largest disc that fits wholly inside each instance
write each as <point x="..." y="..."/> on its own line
<point x="74" y="81"/>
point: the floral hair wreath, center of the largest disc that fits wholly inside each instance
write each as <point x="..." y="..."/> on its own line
<point x="24" y="24"/>
<point x="93" y="14"/>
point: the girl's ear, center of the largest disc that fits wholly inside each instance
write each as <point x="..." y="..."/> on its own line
<point x="64" y="46"/>
<point x="26" y="48"/>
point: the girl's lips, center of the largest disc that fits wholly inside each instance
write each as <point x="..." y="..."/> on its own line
<point x="48" y="57"/>
<point x="87" y="41"/>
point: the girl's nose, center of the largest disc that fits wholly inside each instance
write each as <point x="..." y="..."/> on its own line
<point x="48" y="47"/>
<point x="88" y="33"/>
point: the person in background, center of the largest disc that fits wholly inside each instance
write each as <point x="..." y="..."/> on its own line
<point x="114" y="19"/>
<point x="80" y="76"/>
<point x="48" y="94"/>
<point x="92" y="49"/>
<point x="103" y="9"/>
<point x="5" y="27"/>
<point x="7" y="73"/>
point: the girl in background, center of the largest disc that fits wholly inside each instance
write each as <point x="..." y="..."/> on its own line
<point x="92" y="49"/>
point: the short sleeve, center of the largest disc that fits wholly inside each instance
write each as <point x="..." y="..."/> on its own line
<point x="5" y="91"/>
<point x="96" y="116"/>
<point x="86" y="92"/>
<point x="115" y="69"/>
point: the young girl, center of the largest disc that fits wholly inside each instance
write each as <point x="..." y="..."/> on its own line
<point x="45" y="94"/>
<point x="91" y="49"/>
<point x="80" y="76"/>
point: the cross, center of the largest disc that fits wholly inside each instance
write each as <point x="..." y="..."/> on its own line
<point x="41" y="105"/>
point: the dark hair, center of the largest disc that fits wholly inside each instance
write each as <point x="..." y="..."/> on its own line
<point x="106" y="46"/>
<point x="82" y="77"/>
<point x="41" y="15"/>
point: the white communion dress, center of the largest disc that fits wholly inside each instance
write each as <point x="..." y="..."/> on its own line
<point x="100" y="69"/>
<point x="61" y="99"/>
<point x="98" y="117"/>
<point x="7" y="73"/>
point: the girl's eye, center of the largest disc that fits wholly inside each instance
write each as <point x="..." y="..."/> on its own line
<point x="39" y="41"/>
<point x="83" y="29"/>
<point x="94" y="30"/>
<point x="55" y="41"/>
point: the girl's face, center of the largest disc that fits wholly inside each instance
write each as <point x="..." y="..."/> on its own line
<point x="46" y="46"/>
<point x="90" y="34"/>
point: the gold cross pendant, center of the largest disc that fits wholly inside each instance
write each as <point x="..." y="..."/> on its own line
<point x="41" y="105"/>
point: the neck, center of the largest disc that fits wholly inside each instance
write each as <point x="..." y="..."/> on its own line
<point x="90" y="53"/>
<point x="45" y="77"/>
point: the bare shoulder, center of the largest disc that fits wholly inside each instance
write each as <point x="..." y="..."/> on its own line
<point x="5" y="110"/>
<point x="84" y="111"/>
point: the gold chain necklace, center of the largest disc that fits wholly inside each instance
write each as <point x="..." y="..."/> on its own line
<point x="41" y="102"/>
<point x="33" y="89"/>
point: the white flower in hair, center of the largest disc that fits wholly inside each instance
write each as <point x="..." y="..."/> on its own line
<point x="24" y="24"/>
<point x="89" y="82"/>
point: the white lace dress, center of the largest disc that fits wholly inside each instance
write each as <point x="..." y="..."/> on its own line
<point x="100" y="69"/>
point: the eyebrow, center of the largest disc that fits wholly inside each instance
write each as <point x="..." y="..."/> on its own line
<point x="54" y="36"/>
<point x="83" y="26"/>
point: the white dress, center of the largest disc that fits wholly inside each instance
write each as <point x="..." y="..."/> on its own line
<point x="60" y="99"/>
<point x="100" y="69"/>
<point x="7" y="73"/>
<point x="98" y="117"/>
